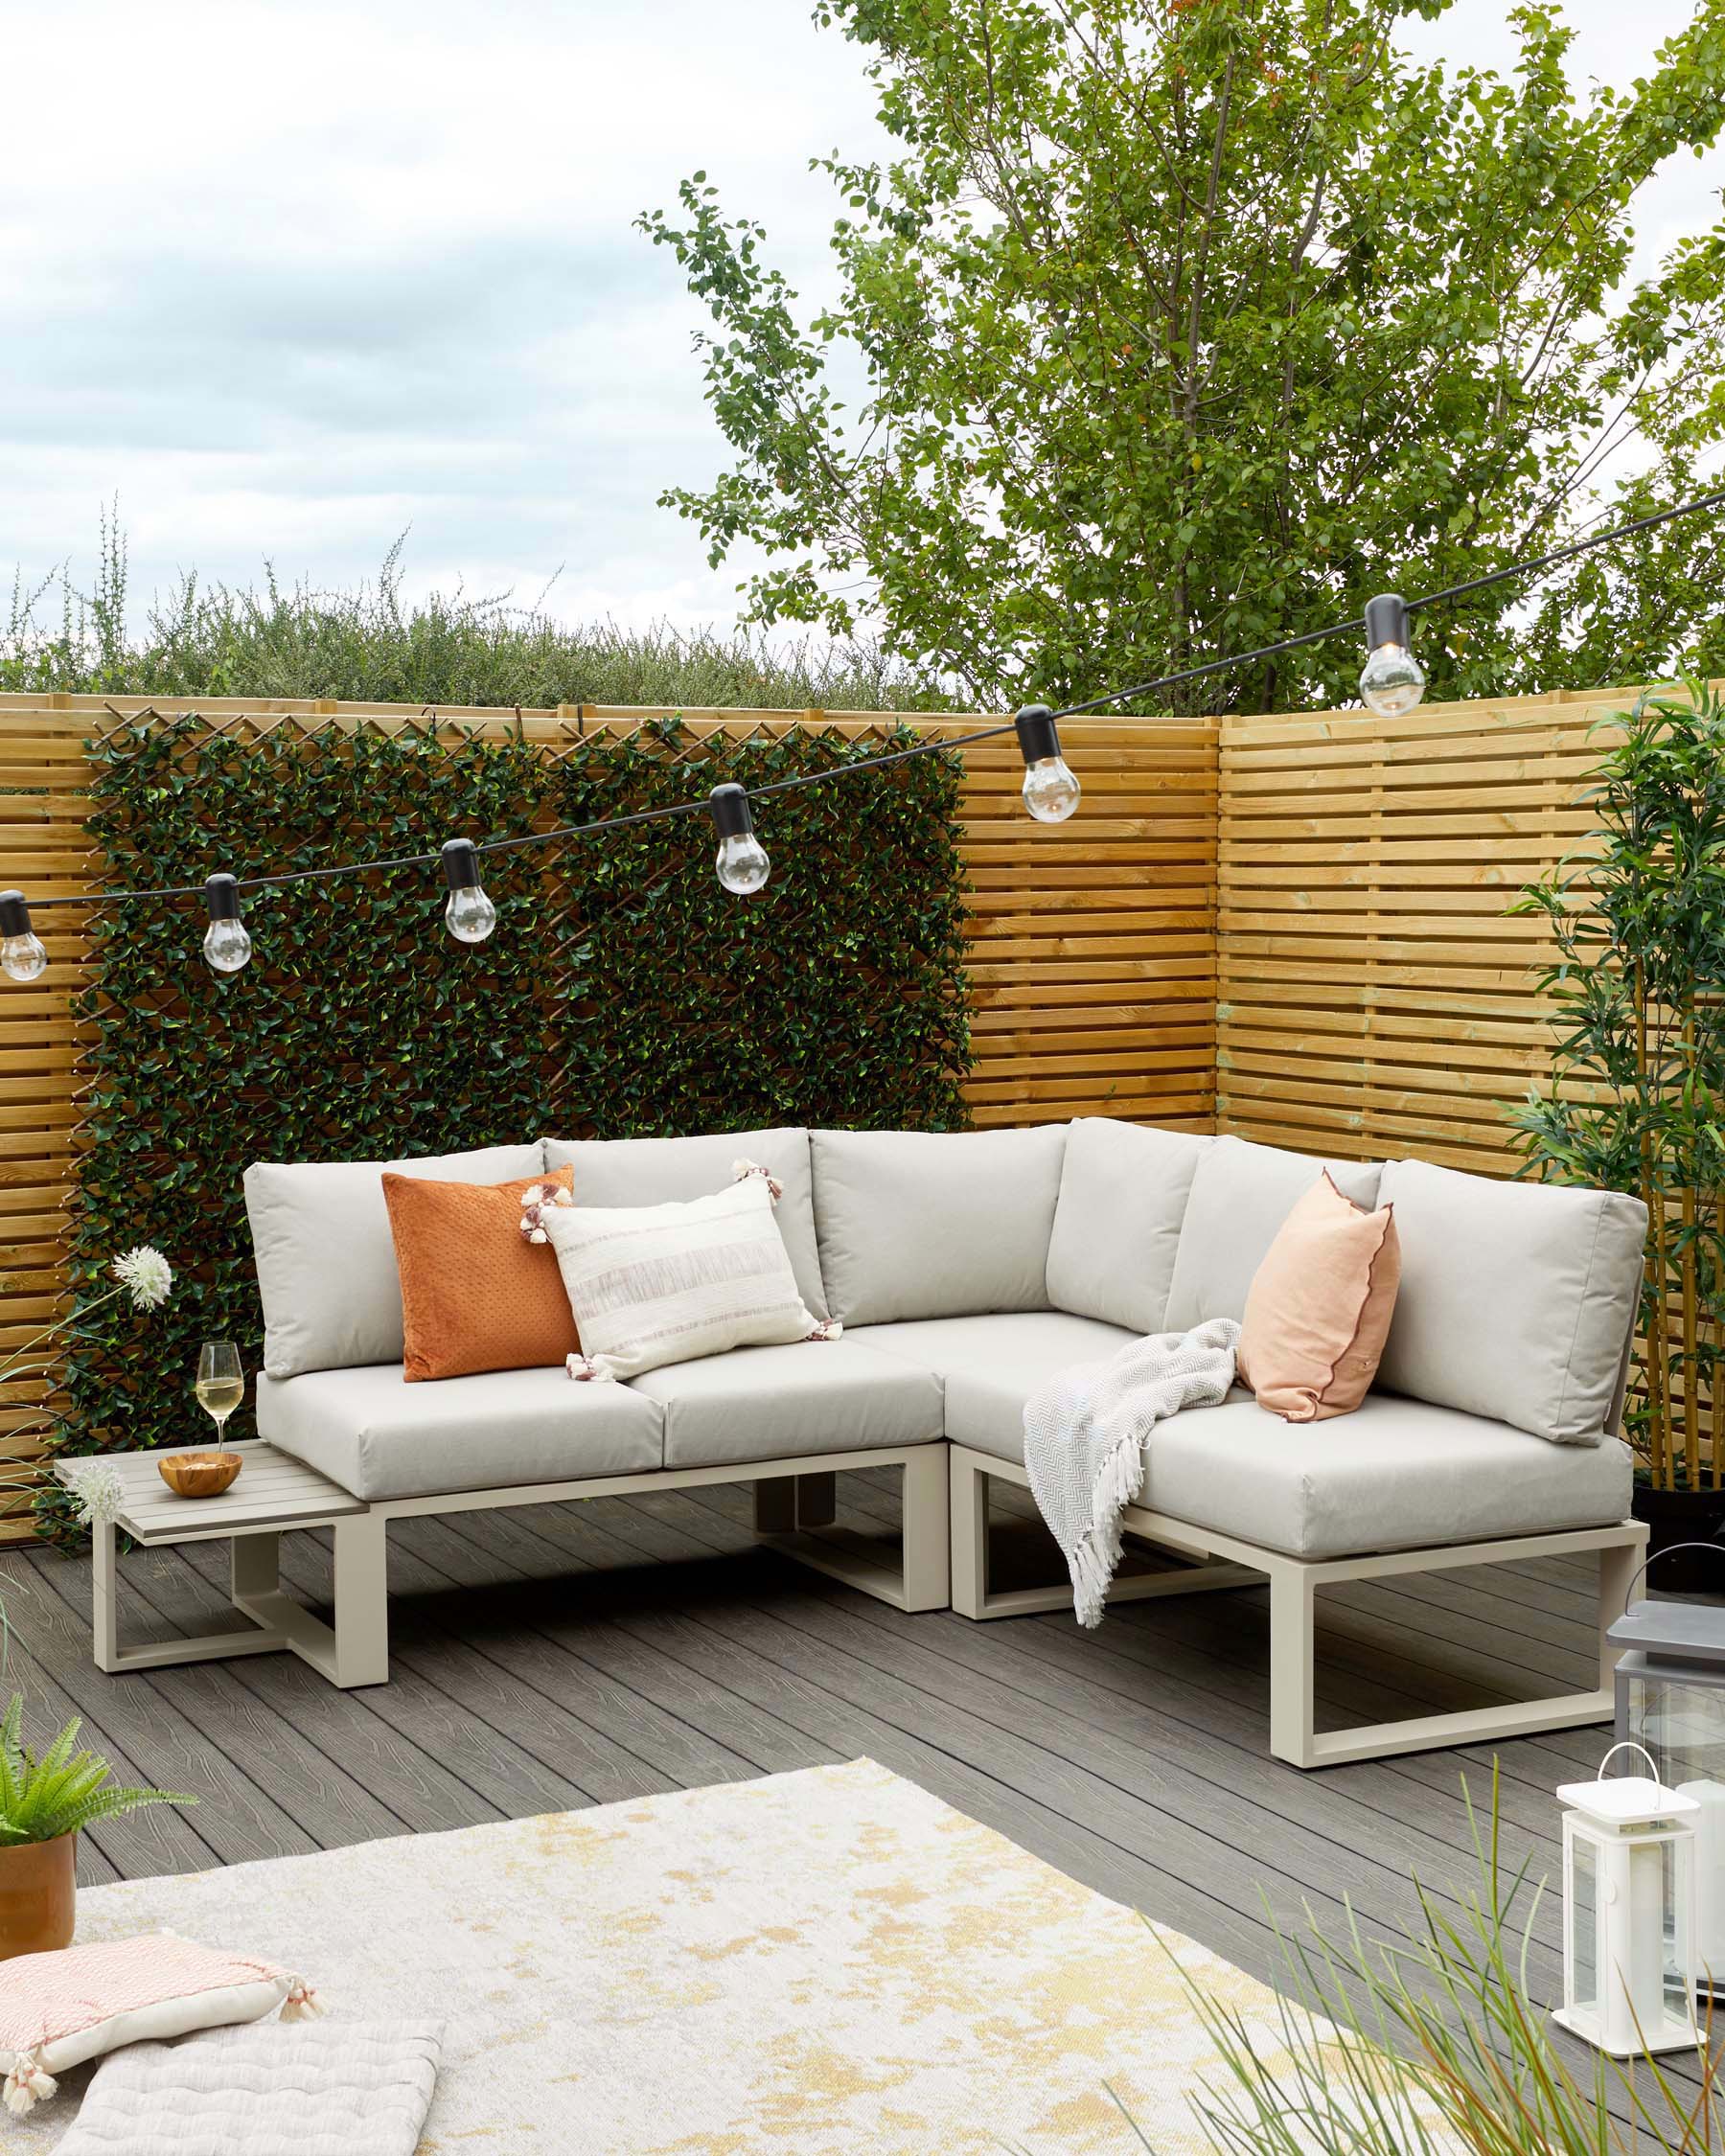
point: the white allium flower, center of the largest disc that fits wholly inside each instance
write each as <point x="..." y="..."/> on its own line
<point x="145" y="1275"/>
<point x="96" y="1490"/>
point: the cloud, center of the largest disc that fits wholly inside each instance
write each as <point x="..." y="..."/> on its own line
<point x="301" y="277"/>
<point x="373" y="267"/>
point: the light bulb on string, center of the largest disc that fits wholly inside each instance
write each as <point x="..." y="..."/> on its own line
<point x="470" y="914"/>
<point x="23" y="955"/>
<point x="226" y="945"/>
<point x="743" y="864"/>
<point x="1051" y="790"/>
<point x="1393" y="681"/>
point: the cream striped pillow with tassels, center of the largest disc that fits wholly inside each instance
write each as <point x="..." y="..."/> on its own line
<point x="657" y="1284"/>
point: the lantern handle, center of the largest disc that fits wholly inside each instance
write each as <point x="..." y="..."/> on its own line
<point x="1628" y="1744"/>
<point x="1671" y="1549"/>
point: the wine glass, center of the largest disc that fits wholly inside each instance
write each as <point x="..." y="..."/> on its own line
<point x="220" y="1382"/>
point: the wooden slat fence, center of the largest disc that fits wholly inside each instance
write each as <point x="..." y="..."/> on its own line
<point x="1374" y="996"/>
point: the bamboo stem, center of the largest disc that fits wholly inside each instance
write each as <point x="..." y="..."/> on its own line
<point x="1716" y="1374"/>
<point x="1691" y="1374"/>
<point x="1658" y="1455"/>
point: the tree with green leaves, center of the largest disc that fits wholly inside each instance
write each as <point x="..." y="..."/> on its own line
<point x="1186" y="325"/>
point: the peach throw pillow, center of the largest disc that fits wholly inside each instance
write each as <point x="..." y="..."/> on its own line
<point x="475" y="1294"/>
<point x="1319" y="1308"/>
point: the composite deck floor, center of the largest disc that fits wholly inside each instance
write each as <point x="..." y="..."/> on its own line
<point x="564" y="1656"/>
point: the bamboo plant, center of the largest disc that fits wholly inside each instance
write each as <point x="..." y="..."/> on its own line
<point x="1637" y="986"/>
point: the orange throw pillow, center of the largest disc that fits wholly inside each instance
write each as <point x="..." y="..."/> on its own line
<point x="1319" y="1308"/>
<point x="475" y="1294"/>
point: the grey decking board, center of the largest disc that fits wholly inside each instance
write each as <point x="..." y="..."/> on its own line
<point x="299" y="1783"/>
<point x="139" y="1842"/>
<point x="461" y="1764"/>
<point x="627" y="1641"/>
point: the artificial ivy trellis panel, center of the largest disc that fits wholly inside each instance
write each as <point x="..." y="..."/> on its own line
<point x="622" y="994"/>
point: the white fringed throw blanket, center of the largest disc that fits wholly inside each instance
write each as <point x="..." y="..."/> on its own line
<point x="1087" y="1432"/>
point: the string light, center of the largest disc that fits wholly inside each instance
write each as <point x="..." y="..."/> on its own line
<point x="22" y="953"/>
<point x="1050" y="790"/>
<point x="226" y="944"/>
<point x="1392" y="680"/>
<point x="470" y="914"/>
<point x="1390" y="683"/>
<point x="743" y="864"/>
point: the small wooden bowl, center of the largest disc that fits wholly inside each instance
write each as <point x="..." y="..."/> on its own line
<point x="200" y="1474"/>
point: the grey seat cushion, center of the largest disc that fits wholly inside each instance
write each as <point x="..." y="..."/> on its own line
<point x="362" y="2087"/>
<point x="922" y="1224"/>
<point x="1124" y="1191"/>
<point x="1241" y="1194"/>
<point x="769" y="1403"/>
<point x="381" y="1438"/>
<point x="990" y="1365"/>
<point x="1517" y="1298"/>
<point x="1395" y="1474"/>
<point x="668" y="1171"/>
<point x="326" y="1258"/>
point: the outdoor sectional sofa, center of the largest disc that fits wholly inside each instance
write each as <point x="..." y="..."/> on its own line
<point x="967" y="1269"/>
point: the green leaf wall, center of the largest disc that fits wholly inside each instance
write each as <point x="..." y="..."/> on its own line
<point x="624" y="993"/>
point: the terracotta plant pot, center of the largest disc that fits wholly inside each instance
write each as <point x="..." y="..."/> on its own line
<point x="38" y="1895"/>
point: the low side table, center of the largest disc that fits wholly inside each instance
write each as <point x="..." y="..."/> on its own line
<point x="273" y="1494"/>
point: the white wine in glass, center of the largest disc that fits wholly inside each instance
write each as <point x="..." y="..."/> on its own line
<point x="221" y="1381"/>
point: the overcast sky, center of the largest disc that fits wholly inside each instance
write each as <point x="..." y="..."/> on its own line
<point x="288" y="279"/>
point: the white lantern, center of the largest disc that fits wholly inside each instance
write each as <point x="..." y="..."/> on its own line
<point x="1629" y="1913"/>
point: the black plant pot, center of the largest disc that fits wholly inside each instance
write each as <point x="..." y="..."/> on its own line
<point x="1675" y="1516"/>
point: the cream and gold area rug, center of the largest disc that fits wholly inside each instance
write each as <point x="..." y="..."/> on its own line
<point x="824" y="1963"/>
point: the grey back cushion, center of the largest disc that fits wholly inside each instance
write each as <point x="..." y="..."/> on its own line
<point x="326" y="1258"/>
<point x="1517" y="1298"/>
<point x="670" y="1170"/>
<point x="1124" y="1191"/>
<point x="919" y="1223"/>
<point x="1241" y="1194"/>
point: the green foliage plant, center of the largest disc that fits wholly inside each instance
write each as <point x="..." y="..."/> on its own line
<point x="43" y="1796"/>
<point x="370" y="645"/>
<point x="1432" y="2043"/>
<point x="1637" y="1094"/>
<point x="624" y="993"/>
<point x="1167" y="330"/>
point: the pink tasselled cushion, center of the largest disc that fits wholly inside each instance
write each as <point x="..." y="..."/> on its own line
<point x="58" y="2009"/>
<point x="1319" y="1308"/>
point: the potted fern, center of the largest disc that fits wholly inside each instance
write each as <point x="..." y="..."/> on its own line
<point x="45" y="1799"/>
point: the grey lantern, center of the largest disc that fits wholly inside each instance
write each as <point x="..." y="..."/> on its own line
<point x="1670" y="1698"/>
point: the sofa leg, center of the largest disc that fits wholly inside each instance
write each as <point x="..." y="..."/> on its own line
<point x="817" y="1500"/>
<point x="969" y="1507"/>
<point x="1293" y="1655"/>
<point x="354" y="1648"/>
<point x="973" y="1597"/>
<point x="926" y="1530"/>
<point x="785" y="1502"/>
<point x="1618" y="1564"/>
<point x="1293" y="1624"/>
<point x="794" y="1514"/>
<point x="776" y="1505"/>
<point x="361" y="1601"/>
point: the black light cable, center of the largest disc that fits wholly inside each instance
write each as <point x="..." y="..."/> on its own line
<point x="1391" y="682"/>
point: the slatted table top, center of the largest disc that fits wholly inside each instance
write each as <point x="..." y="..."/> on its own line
<point x="272" y="1490"/>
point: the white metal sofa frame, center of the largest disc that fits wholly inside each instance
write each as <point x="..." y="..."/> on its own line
<point x="1212" y="1561"/>
<point x="793" y="1506"/>
<point x="1207" y="1560"/>
<point x="944" y="1563"/>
